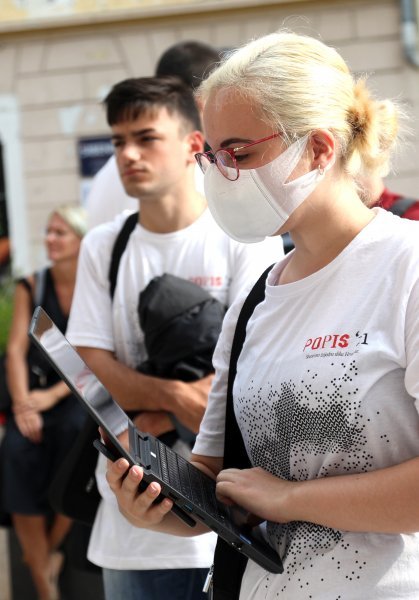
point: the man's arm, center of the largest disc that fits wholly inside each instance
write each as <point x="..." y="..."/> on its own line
<point x="135" y="391"/>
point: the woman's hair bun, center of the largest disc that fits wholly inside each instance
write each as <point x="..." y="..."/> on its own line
<point x="374" y="129"/>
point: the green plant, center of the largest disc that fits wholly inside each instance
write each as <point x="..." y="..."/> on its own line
<point x="6" y="309"/>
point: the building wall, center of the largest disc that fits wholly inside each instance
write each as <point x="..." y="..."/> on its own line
<point x="53" y="81"/>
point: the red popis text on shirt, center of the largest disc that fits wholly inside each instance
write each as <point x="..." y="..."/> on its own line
<point x="335" y="340"/>
<point x="329" y="341"/>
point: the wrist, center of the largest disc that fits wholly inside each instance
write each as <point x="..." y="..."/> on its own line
<point x="172" y="391"/>
<point x="294" y="502"/>
<point x="21" y="406"/>
<point x="55" y="396"/>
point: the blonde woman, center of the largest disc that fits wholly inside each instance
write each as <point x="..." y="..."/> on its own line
<point x="45" y="417"/>
<point x="326" y="394"/>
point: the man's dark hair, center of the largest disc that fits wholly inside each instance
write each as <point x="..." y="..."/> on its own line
<point x="190" y="61"/>
<point x="130" y="98"/>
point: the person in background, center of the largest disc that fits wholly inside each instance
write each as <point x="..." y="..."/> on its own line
<point x="189" y="60"/>
<point x="326" y="394"/>
<point x="45" y="417"/>
<point x="156" y="132"/>
<point x="377" y="194"/>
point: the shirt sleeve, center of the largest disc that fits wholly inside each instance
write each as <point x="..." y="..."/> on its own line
<point x="90" y="321"/>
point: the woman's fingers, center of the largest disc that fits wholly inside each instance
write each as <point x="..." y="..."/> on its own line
<point x="136" y="500"/>
<point x="116" y="472"/>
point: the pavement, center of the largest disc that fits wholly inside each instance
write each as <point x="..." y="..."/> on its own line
<point x="5" y="583"/>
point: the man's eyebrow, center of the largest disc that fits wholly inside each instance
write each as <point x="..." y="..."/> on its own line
<point x="116" y="136"/>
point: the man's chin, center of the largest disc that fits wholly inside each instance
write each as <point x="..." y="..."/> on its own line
<point x="135" y="191"/>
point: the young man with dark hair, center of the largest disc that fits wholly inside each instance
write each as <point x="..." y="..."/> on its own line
<point x="155" y="134"/>
<point x="191" y="61"/>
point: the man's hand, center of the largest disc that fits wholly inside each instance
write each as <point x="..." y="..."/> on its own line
<point x="155" y="423"/>
<point x="190" y="401"/>
<point x="136" y="391"/>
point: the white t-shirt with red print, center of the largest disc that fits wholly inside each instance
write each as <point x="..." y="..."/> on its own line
<point x="201" y="253"/>
<point x="328" y="384"/>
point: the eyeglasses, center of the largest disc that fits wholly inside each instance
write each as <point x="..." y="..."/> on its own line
<point x="225" y="158"/>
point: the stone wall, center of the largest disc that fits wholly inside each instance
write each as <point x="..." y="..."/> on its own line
<point x="52" y="83"/>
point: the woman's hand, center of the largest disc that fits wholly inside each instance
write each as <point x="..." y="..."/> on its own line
<point x="42" y="400"/>
<point x="257" y="491"/>
<point x="136" y="506"/>
<point x="30" y="424"/>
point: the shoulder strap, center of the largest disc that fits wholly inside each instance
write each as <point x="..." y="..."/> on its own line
<point x="235" y="454"/>
<point x="401" y="206"/>
<point x="38" y="293"/>
<point x="229" y="565"/>
<point x="119" y="248"/>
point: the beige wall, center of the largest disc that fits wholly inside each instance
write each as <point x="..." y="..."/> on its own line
<point x="56" y="78"/>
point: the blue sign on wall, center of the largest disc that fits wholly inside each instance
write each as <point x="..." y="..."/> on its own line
<point x="93" y="154"/>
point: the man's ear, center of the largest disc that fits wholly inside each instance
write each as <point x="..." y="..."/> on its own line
<point x="195" y="141"/>
<point x="323" y="149"/>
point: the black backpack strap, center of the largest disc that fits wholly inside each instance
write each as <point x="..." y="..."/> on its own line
<point x="401" y="206"/>
<point x="229" y="565"/>
<point x="118" y="250"/>
<point x="235" y="454"/>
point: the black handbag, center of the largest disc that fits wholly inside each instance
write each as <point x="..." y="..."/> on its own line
<point x="73" y="491"/>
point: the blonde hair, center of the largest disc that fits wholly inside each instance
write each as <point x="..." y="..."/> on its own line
<point x="300" y="85"/>
<point x="74" y="215"/>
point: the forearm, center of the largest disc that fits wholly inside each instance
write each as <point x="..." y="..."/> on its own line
<point x="60" y="391"/>
<point x="135" y="391"/>
<point x="383" y="501"/>
<point x="45" y="399"/>
<point x="17" y="348"/>
<point x="17" y="379"/>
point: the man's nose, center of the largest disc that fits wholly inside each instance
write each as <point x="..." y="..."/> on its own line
<point x="131" y="152"/>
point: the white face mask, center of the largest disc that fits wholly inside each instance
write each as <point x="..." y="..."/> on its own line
<point x="260" y="201"/>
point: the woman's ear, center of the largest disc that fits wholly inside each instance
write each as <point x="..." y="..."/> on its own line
<point x="323" y="149"/>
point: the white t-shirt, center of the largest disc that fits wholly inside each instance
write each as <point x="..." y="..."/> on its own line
<point x="107" y="197"/>
<point x="202" y="253"/>
<point x="327" y="384"/>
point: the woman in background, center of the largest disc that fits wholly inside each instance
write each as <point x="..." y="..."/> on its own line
<point x="45" y="417"/>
